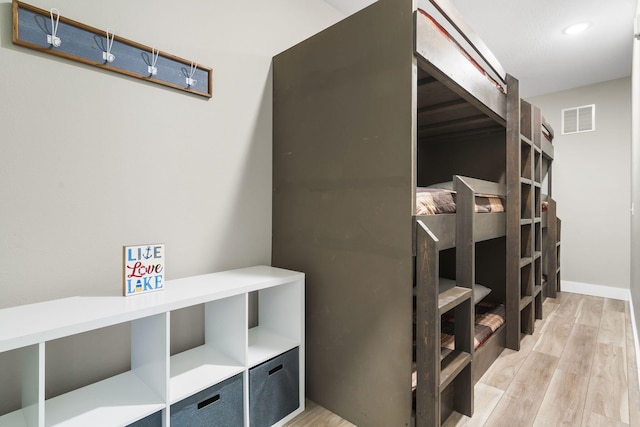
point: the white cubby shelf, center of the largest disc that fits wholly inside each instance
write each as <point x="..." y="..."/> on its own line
<point x="157" y="380"/>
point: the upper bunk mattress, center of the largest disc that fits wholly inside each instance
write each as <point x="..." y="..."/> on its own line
<point x="432" y="201"/>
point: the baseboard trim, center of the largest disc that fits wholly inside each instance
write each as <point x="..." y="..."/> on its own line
<point x="595" y="290"/>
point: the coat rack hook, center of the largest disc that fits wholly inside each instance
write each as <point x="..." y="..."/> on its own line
<point x="52" y="39"/>
<point x="192" y="71"/>
<point x="108" y="56"/>
<point x="155" y="52"/>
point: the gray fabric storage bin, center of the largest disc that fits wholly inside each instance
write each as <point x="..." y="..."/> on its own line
<point x="220" y="405"/>
<point x="153" y="420"/>
<point x="274" y="388"/>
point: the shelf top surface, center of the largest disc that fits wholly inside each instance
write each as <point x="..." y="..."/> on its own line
<point x="30" y="324"/>
<point x="119" y="400"/>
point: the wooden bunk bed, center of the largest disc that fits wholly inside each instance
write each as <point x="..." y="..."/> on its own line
<point x="366" y="112"/>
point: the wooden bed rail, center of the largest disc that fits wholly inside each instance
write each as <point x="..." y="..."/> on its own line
<point x="479" y="186"/>
<point x="482" y="226"/>
<point x="449" y="12"/>
<point x="465" y="244"/>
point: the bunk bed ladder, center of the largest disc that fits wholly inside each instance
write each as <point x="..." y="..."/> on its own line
<point x="434" y="374"/>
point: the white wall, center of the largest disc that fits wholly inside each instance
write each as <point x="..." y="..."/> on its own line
<point x="91" y="160"/>
<point x="591" y="182"/>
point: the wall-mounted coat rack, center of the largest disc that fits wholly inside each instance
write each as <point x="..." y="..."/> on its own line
<point x="47" y="31"/>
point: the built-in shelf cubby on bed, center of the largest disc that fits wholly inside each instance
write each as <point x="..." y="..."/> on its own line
<point x="528" y="237"/>
<point x="403" y="186"/>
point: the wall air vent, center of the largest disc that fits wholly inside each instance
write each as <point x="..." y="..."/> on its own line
<point x="579" y="119"/>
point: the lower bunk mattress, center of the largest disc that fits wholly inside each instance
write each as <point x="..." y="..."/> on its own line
<point x="489" y="317"/>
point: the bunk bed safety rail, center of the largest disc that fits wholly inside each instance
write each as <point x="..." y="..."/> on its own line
<point x="450" y="58"/>
<point x="479" y="186"/>
<point x="477" y="45"/>
<point x="465" y="244"/>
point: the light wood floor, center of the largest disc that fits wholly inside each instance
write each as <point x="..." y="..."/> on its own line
<point x="578" y="369"/>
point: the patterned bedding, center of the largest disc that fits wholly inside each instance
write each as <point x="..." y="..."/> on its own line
<point x="489" y="317"/>
<point x="432" y="201"/>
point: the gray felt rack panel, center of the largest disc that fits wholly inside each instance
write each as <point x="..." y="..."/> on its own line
<point x="82" y="43"/>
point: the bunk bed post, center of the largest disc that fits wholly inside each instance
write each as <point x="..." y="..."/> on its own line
<point x="552" y="239"/>
<point x="427" y="329"/>
<point x="557" y="253"/>
<point x="536" y="210"/>
<point x="513" y="214"/>
<point x="465" y="278"/>
<point x="527" y="303"/>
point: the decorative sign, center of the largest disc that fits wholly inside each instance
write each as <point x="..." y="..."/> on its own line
<point x="143" y="269"/>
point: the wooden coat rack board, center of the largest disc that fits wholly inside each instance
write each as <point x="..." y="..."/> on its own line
<point x="47" y="31"/>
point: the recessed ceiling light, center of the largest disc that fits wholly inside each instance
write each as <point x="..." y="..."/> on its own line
<point x="576" y="28"/>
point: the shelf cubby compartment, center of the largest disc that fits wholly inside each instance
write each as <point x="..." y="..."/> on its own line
<point x="280" y="320"/>
<point x="537" y="271"/>
<point x="124" y="398"/>
<point x="527" y="320"/>
<point x="526" y="201"/>
<point x="222" y="355"/>
<point x="451" y="366"/>
<point x="537" y="202"/>
<point x="525" y="119"/>
<point x="526" y="240"/>
<point x="537" y="233"/>
<point x="537" y="286"/>
<point x="559" y="222"/>
<point x="537" y="165"/>
<point x="31" y="373"/>
<point x="526" y="280"/>
<point x="526" y="160"/>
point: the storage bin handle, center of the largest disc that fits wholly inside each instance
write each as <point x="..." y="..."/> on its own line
<point x="276" y="369"/>
<point x="209" y="401"/>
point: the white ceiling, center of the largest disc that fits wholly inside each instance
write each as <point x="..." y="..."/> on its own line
<point x="526" y="37"/>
